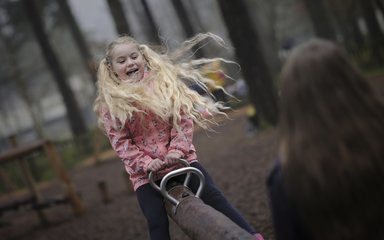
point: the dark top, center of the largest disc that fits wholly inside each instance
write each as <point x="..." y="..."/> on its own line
<point x="285" y="216"/>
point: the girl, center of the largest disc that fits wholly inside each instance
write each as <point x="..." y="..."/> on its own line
<point x="147" y="110"/>
<point x="329" y="181"/>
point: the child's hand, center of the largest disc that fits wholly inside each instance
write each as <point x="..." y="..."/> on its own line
<point x="155" y="165"/>
<point x="172" y="158"/>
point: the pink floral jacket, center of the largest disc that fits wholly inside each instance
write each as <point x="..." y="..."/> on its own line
<point x="143" y="139"/>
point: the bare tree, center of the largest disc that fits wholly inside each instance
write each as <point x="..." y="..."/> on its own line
<point x="266" y="22"/>
<point x="380" y="5"/>
<point x="346" y="18"/>
<point x="183" y="17"/>
<point x="153" y="33"/>
<point x="118" y="15"/>
<point x="12" y="39"/>
<point x="350" y="12"/>
<point x="320" y="19"/>
<point x="23" y="91"/>
<point x="79" y="39"/>
<point x="73" y="112"/>
<point x="186" y="23"/>
<point x="376" y="36"/>
<point x="249" y="53"/>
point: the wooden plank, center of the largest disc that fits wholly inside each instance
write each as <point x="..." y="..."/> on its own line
<point x="22" y="151"/>
<point x="77" y="205"/>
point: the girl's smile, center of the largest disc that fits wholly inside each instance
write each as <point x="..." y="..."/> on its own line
<point x="127" y="62"/>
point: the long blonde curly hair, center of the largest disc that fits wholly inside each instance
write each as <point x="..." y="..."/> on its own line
<point x="165" y="91"/>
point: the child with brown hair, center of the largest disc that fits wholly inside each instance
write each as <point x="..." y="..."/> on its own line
<point x="328" y="182"/>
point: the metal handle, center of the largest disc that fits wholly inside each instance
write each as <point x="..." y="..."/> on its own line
<point x="186" y="170"/>
<point x="186" y="181"/>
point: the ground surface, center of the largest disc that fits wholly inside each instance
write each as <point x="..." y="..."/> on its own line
<point x="239" y="164"/>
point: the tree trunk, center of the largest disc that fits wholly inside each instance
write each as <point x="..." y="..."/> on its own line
<point x="73" y="112"/>
<point x="249" y="53"/>
<point x="10" y="52"/>
<point x="356" y="36"/>
<point x="38" y="126"/>
<point x="186" y="23"/>
<point x="194" y="9"/>
<point x="118" y="15"/>
<point x="380" y="5"/>
<point x="345" y="14"/>
<point x="183" y="17"/>
<point x="376" y="37"/>
<point x="153" y="34"/>
<point x="79" y="39"/>
<point x="266" y="22"/>
<point x="321" y="23"/>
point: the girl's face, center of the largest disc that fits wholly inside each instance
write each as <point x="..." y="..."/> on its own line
<point x="127" y="62"/>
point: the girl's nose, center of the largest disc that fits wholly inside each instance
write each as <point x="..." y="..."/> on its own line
<point x="129" y="62"/>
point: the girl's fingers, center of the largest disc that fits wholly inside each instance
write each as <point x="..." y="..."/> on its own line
<point x="156" y="165"/>
<point x="171" y="161"/>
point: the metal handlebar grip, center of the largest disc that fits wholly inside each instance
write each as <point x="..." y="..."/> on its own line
<point x="186" y="170"/>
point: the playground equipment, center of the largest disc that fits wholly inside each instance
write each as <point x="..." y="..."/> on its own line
<point x="196" y="219"/>
<point x="36" y="200"/>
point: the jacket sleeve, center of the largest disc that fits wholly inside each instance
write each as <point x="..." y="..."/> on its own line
<point x="125" y="148"/>
<point x="181" y="141"/>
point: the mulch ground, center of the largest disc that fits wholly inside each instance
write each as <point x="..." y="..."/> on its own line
<point x="237" y="162"/>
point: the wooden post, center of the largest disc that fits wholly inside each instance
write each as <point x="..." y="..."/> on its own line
<point x="57" y="164"/>
<point x="31" y="184"/>
<point x="6" y="182"/>
<point x="27" y="174"/>
<point x="104" y="193"/>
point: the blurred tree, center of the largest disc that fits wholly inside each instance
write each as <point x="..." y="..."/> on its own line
<point x="265" y="19"/>
<point x="183" y="17"/>
<point x="355" y="35"/>
<point x="320" y="19"/>
<point x="74" y="115"/>
<point x="24" y="93"/>
<point x="345" y="14"/>
<point x="79" y="39"/>
<point x="380" y="5"/>
<point x="153" y="33"/>
<point x="118" y="15"/>
<point x="249" y="53"/>
<point x="193" y="8"/>
<point x="186" y="23"/>
<point x="13" y="35"/>
<point x="375" y="35"/>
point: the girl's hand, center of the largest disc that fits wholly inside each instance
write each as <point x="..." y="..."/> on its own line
<point x="155" y="165"/>
<point x="172" y="158"/>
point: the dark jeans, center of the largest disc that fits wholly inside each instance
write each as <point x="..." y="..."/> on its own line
<point x="151" y="203"/>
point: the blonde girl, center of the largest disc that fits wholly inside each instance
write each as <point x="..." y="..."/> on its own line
<point x="147" y="109"/>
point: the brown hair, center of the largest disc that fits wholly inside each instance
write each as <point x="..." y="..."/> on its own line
<point x="332" y="133"/>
